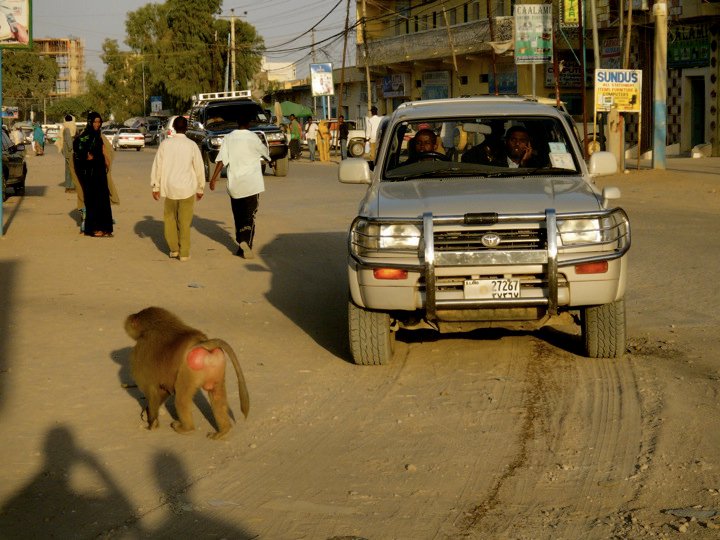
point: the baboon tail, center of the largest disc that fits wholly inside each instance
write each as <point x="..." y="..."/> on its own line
<point x="211" y="344"/>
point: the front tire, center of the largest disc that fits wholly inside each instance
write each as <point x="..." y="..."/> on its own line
<point x="603" y="330"/>
<point x="281" y="166"/>
<point x="372" y="339"/>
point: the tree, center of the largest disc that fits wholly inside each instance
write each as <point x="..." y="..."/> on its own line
<point x="28" y="78"/>
<point x="184" y="48"/>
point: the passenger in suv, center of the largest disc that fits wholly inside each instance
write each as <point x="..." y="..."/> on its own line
<point x="510" y="241"/>
<point x="216" y="114"/>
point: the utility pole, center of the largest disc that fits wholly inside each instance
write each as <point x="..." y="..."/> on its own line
<point x="232" y="50"/>
<point x="660" y="84"/>
<point x="314" y="61"/>
<point x="367" y="59"/>
<point x="491" y="22"/>
<point x="342" y="69"/>
<point x="581" y="33"/>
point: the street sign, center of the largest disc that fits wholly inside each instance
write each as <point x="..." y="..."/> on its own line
<point x="618" y="89"/>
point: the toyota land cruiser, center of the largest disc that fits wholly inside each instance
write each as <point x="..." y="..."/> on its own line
<point x="504" y="228"/>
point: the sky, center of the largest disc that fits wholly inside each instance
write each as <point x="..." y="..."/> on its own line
<point x="277" y="21"/>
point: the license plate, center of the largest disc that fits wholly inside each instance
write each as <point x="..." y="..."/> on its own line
<point x="491" y="288"/>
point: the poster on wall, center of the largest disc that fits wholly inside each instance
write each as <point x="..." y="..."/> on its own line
<point x="506" y="79"/>
<point x="15" y="23"/>
<point x="395" y="85"/>
<point x="321" y="79"/>
<point x="570" y="14"/>
<point x="533" y="33"/>
<point x="689" y="46"/>
<point x="436" y="85"/>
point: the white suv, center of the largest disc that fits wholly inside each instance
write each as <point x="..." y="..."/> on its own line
<point x="501" y="226"/>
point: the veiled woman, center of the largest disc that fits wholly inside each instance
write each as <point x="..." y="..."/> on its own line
<point x="92" y="164"/>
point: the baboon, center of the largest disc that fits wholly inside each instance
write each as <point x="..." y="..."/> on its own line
<point x="173" y="358"/>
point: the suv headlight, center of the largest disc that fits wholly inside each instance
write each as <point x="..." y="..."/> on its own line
<point x="368" y="236"/>
<point x="275" y="136"/>
<point x="216" y="141"/>
<point x="580" y="231"/>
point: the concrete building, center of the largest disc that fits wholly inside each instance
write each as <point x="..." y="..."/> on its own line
<point x="69" y="53"/>
<point x="419" y="49"/>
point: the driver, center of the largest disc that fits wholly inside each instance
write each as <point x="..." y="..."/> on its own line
<point x="423" y="146"/>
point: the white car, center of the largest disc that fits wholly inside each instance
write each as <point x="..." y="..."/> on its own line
<point x="167" y="130"/>
<point x="109" y="134"/>
<point x="504" y="229"/>
<point x="128" y="138"/>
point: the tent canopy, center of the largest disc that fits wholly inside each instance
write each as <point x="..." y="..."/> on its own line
<point x="288" y="108"/>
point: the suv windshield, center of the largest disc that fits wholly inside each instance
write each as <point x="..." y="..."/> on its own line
<point x="221" y="116"/>
<point x="501" y="146"/>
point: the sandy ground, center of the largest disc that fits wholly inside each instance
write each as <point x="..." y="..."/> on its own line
<point x="492" y="434"/>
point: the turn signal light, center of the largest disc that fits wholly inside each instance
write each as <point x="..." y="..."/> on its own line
<point x="389" y="273"/>
<point x="592" y="268"/>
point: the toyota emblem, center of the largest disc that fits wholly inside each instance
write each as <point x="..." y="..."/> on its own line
<point x="490" y="240"/>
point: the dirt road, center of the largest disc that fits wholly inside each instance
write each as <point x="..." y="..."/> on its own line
<point x="492" y="434"/>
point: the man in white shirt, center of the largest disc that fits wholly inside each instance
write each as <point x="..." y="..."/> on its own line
<point x="242" y="151"/>
<point x="371" y="129"/>
<point x="179" y="176"/>
<point x="311" y="131"/>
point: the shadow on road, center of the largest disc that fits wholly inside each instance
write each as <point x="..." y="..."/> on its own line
<point x="309" y="285"/>
<point x="153" y="228"/>
<point x="75" y="496"/>
<point x="48" y="505"/>
<point x="7" y="280"/>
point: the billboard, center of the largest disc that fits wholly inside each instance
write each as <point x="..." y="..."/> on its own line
<point x="618" y="89"/>
<point x="321" y="80"/>
<point x="395" y="85"/>
<point x="533" y="33"/>
<point x="15" y="23"/>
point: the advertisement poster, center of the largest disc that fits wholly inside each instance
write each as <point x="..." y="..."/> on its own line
<point x="533" y="33"/>
<point x="321" y="80"/>
<point x="395" y="85"/>
<point x="15" y="23"/>
<point x="618" y="89"/>
<point x="155" y="104"/>
<point x="570" y="14"/>
<point x="689" y="46"/>
<point x="436" y="85"/>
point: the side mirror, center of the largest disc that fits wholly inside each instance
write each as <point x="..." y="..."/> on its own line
<point x="354" y="171"/>
<point x="602" y="164"/>
<point x="610" y="193"/>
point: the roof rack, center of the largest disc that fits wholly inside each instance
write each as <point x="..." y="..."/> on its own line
<point x="214" y="96"/>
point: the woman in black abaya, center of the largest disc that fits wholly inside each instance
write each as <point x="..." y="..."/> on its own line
<point x="92" y="165"/>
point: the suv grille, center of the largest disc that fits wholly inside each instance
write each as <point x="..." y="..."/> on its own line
<point x="471" y="240"/>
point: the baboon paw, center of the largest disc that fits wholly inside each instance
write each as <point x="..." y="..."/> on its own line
<point x="216" y="435"/>
<point x="182" y="428"/>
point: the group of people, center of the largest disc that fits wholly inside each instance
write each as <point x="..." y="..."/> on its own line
<point x="318" y="136"/>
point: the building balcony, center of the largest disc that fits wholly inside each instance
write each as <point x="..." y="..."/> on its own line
<point x="467" y="38"/>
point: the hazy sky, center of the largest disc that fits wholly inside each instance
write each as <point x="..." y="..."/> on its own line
<point x="277" y="21"/>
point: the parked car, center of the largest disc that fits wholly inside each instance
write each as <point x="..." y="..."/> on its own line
<point x="356" y="137"/>
<point x="152" y="134"/>
<point x="109" y="133"/>
<point x="508" y="231"/>
<point x="52" y="132"/>
<point x="14" y="168"/>
<point x="128" y="138"/>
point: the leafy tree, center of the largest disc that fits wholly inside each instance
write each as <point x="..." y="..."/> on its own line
<point x="28" y="79"/>
<point x="184" y="47"/>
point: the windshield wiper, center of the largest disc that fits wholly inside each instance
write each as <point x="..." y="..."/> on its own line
<point x="529" y="172"/>
<point x="435" y="173"/>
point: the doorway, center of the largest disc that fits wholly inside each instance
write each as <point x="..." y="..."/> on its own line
<point x="697" y="111"/>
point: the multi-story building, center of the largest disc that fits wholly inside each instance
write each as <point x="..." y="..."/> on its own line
<point x="69" y="53"/>
<point x="423" y="49"/>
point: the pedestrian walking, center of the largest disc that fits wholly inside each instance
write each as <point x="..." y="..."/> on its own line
<point x="295" y="136"/>
<point x="371" y="129"/>
<point x="243" y="152"/>
<point x="64" y="143"/>
<point x="343" y="132"/>
<point x="178" y="175"/>
<point x="92" y="163"/>
<point x="324" y="141"/>
<point x="38" y="139"/>
<point x="311" y="132"/>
